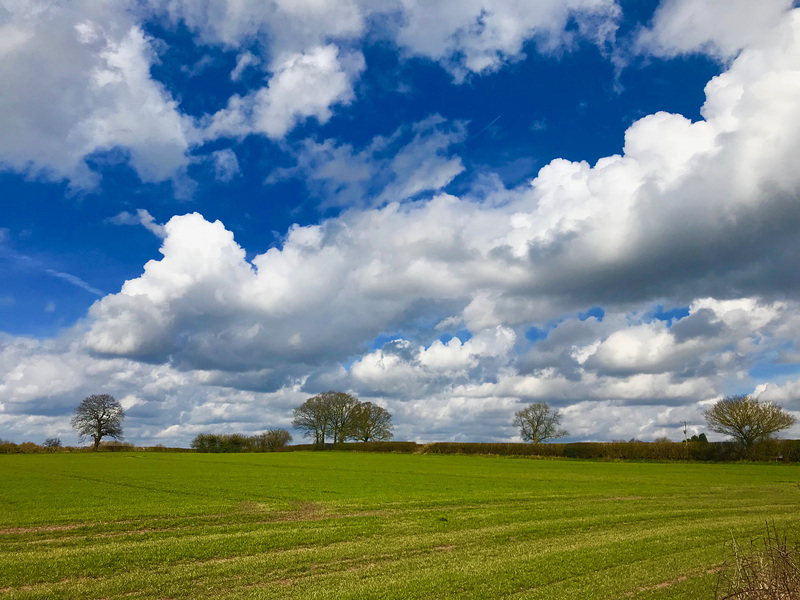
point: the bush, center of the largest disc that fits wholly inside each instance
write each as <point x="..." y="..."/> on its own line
<point x="785" y="450"/>
<point x="768" y="570"/>
<point x="29" y="448"/>
<point x="7" y="447"/>
<point x="225" y="443"/>
<point x="403" y="447"/>
<point x="499" y="449"/>
<point x="272" y="440"/>
<point x="115" y="446"/>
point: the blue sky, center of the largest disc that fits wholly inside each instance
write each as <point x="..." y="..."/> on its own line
<point x="214" y="210"/>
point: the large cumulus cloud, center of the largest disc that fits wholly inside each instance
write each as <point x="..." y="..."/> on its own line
<point x="688" y="210"/>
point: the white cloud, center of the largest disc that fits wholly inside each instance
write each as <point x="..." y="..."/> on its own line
<point x="720" y="28"/>
<point x="474" y="36"/>
<point x="244" y="61"/>
<point x="291" y="26"/>
<point x="303" y="85"/>
<point x="388" y="169"/>
<point x="664" y="220"/>
<point x="692" y="214"/>
<point x="143" y="218"/>
<point x="77" y="81"/>
<point x="41" y="383"/>
<point x="226" y="165"/>
<point x="93" y="91"/>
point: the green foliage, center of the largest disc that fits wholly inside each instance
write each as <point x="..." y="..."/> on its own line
<point x="272" y="440"/>
<point x="380" y="447"/>
<point x="229" y="442"/>
<point x="769" y="450"/>
<point x="325" y="525"/>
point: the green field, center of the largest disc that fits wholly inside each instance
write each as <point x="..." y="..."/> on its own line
<point x="348" y="525"/>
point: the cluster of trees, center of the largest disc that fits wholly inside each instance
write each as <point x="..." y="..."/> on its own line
<point x="269" y="441"/>
<point x="332" y="414"/>
<point x="341" y="417"/>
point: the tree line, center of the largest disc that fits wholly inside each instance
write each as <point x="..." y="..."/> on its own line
<point x="339" y="417"/>
<point x="746" y="420"/>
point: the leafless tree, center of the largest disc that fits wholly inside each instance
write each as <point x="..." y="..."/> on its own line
<point x="276" y="438"/>
<point x="313" y="417"/>
<point x="342" y="408"/>
<point x="371" y="423"/>
<point x="747" y="420"/>
<point x="98" y="416"/>
<point x="537" y="423"/>
<point x="330" y="413"/>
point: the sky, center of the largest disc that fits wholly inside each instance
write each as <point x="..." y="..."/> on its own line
<point x="215" y="209"/>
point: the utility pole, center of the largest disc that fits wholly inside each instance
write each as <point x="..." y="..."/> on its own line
<point x="685" y="439"/>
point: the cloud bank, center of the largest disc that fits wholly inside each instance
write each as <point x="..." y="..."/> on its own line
<point x="450" y="310"/>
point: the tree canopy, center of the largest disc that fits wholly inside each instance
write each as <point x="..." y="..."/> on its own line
<point x="98" y="416"/>
<point x="342" y="417"/>
<point x="747" y="420"/>
<point x="537" y="423"/>
<point x="371" y="423"/>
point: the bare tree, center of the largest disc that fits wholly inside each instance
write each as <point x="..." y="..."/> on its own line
<point x="371" y="422"/>
<point x="537" y="423"/>
<point x="747" y="420"/>
<point x="313" y="417"/>
<point x="98" y="416"/>
<point x="329" y="413"/>
<point x="276" y="438"/>
<point x="342" y="409"/>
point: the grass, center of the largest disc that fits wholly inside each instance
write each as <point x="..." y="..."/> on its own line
<point x="349" y="525"/>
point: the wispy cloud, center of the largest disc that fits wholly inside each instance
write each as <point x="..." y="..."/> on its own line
<point x="76" y="281"/>
<point x="143" y="218"/>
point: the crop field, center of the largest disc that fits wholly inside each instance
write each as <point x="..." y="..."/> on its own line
<point x="348" y="525"/>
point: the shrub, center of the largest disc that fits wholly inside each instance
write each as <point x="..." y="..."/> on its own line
<point x="272" y="440"/>
<point x="768" y="570"/>
<point x="29" y="448"/>
<point x="7" y="447"/>
<point x="228" y="443"/>
<point x="403" y="447"/>
<point x="115" y="446"/>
